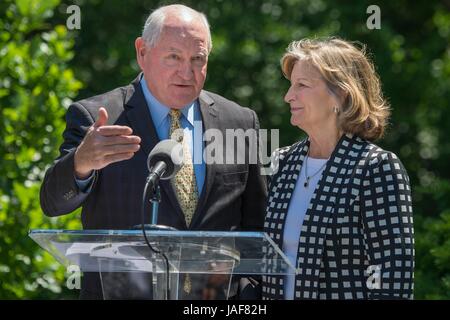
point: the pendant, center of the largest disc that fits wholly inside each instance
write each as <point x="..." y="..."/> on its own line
<point x="306" y="183"/>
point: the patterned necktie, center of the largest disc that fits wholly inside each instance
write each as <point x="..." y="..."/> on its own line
<point x="184" y="181"/>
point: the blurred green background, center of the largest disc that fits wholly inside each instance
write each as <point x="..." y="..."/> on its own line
<point x="44" y="66"/>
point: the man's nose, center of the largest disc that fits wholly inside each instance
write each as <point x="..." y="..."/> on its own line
<point x="185" y="71"/>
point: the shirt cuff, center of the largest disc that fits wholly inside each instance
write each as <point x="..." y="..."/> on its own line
<point x="85" y="185"/>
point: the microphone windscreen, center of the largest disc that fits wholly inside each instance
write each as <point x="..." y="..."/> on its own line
<point x="171" y="153"/>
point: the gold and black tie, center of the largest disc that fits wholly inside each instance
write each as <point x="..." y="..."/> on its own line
<point x="184" y="182"/>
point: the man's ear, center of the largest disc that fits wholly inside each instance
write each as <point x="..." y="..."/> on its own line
<point x="139" y="44"/>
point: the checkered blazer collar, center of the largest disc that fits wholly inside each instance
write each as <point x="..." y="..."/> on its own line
<point x="290" y="164"/>
<point x="317" y="218"/>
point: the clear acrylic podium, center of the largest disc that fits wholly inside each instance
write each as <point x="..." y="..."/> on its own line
<point x="199" y="265"/>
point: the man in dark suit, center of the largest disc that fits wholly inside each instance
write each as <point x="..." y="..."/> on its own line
<point x="102" y="165"/>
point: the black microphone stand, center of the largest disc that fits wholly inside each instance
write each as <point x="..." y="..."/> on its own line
<point x="155" y="200"/>
<point x="152" y="186"/>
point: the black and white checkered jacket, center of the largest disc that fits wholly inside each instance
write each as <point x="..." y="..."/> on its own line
<point x="356" y="240"/>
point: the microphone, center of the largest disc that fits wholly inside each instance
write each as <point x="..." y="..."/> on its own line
<point x="164" y="161"/>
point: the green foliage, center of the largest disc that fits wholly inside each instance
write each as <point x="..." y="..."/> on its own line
<point x="35" y="84"/>
<point x="432" y="240"/>
<point x="411" y="53"/>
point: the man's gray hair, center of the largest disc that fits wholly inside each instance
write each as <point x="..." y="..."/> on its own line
<point x="155" y="22"/>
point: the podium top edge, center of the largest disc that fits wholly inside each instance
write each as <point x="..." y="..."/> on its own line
<point x="185" y="233"/>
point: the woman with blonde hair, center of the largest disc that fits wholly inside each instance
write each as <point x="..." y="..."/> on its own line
<point x="339" y="206"/>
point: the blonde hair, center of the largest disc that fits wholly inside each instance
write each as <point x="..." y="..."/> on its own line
<point x="347" y="71"/>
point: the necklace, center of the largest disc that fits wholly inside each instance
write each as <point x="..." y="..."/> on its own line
<point x="306" y="184"/>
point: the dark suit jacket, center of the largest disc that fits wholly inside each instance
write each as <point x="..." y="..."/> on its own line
<point x="233" y="195"/>
<point x="358" y="226"/>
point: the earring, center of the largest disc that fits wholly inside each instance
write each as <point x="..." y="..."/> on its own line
<point x="336" y="109"/>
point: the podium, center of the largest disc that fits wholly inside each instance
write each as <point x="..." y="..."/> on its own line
<point x="184" y="264"/>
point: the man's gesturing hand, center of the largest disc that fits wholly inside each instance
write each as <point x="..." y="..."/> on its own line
<point x="103" y="145"/>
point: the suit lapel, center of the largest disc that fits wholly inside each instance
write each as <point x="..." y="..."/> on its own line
<point x="281" y="190"/>
<point x="209" y="113"/>
<point x="141" y="121"/>
<point x="139" y="117"/>
<point x="283" y="187"/>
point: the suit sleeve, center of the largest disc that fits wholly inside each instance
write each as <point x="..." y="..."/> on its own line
<point x="255" y="194"/>
<point x="387" y="218"/>
<point x="253" y="213"/>
<point x="59" y="192"/>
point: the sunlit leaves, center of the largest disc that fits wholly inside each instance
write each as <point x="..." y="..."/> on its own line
<point x="35" y="84"/>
